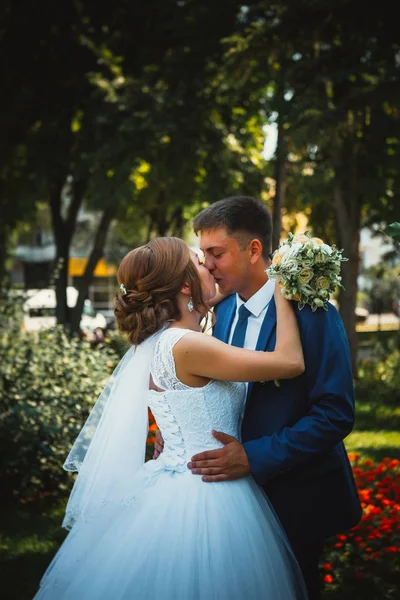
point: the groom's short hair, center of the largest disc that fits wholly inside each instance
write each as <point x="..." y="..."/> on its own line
<point x="243" y="217"/>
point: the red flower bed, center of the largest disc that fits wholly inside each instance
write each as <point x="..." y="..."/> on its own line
<point x="365" y="561"/>
<point x="151" y="437"/>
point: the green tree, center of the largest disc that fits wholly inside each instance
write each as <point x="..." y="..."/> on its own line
<point x="128" y="83"/>
<point x="342" y="125"/>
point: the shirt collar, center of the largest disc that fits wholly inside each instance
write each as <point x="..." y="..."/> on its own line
<point x="259" y="300"/>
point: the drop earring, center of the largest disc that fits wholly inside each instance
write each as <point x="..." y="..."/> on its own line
<point x="190" y="304"/>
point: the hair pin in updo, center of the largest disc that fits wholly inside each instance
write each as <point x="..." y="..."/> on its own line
<point x="122" y="288"/>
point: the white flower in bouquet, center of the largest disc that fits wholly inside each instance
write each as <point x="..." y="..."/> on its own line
<point x="326" y="249"/>
<point x="307" y="270"/>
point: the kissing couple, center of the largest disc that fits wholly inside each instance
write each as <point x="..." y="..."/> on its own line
<point x="250" y="474"/>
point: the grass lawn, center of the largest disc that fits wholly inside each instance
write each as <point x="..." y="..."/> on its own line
<point x="29" y="539"/>
<point x="31" y="536"/>
<point x="375" y="444"/>
<point x="377" y="431"/>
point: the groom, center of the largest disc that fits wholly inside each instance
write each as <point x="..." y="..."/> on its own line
<point x="293" y="430"/>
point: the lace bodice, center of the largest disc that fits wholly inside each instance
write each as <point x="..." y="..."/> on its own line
<point x="163" y="366"/>
<point x="186" y="415"/>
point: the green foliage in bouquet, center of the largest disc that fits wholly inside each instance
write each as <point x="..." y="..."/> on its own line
<point x="393" y="231"/>
<point x="307" y="269"/>
<point x="48" y="384"/>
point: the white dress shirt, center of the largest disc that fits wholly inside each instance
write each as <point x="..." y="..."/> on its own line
<point x="257" y="305"/>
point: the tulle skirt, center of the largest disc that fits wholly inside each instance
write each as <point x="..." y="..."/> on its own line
<point x="181" y="539"/>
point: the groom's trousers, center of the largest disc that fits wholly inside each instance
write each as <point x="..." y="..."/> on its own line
<point x="308" y="557"/>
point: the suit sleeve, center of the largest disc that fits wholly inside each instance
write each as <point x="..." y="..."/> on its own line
<point x="330" y="417"/>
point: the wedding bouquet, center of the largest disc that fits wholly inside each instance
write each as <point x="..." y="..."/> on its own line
<point x="307" y="269"/>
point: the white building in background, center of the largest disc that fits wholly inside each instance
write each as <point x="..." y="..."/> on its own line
<point x="372" y="248"/>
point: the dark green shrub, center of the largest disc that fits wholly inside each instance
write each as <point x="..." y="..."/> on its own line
<point x="48" y="384"/>
<point x="118" y="342"/>
<point x="379" y="375"/>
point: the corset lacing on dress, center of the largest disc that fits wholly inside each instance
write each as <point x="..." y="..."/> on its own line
<point x="174" y="456"/>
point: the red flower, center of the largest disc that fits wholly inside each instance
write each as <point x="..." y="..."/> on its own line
<point x="328" y="578"/>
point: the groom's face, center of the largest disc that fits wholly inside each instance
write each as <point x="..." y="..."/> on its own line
<point x="226" y="261"/>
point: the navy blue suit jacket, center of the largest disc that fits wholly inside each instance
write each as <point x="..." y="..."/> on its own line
<point x="293" y="433"/>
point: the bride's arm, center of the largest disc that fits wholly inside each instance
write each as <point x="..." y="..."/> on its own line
<point x="205" y="356"/>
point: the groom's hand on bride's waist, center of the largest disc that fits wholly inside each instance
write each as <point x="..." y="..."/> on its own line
<point x="159" y="445"/>
<point x="224" y="464"/>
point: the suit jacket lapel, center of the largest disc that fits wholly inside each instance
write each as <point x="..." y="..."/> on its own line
<point x="267" y="328"/>
<point x="225" y="314"/>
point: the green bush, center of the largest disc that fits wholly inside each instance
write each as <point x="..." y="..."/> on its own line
<point x="118" y="342"/>
<point x="48" y="384"/>
<point x="379" y="376"/>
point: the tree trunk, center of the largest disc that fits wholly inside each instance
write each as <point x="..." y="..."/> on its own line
<point x="158" y="216"/>
<point x="95" y="255"/>
<point x="348" y="216"/>
<point x="60" y="272"/>
<point x="63" y="230"/>
<point x="3" y="252"/>
<point x="279" y="176"/>
<point x="178" y="222"/>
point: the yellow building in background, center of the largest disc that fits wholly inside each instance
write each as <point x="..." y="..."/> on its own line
<point x="77" y="266"/>
<point x="103" y="287"/>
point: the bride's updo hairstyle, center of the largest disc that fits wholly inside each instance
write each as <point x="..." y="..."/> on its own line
<point x="150" y="279"/>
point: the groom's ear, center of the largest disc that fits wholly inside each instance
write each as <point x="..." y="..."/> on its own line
<point x="255" y="250"/>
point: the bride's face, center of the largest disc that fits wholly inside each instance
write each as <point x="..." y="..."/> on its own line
<point x="207" y="281"/>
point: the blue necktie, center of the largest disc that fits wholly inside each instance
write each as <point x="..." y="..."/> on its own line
<point x="240" y="330"/>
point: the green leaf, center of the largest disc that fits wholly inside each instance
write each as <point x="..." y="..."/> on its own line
<point x="393" y="230"/>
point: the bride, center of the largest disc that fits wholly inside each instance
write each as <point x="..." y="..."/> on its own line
<point x="153" y="530"/>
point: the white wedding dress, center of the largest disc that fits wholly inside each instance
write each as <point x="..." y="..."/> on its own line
<point x="180" y="538"/>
